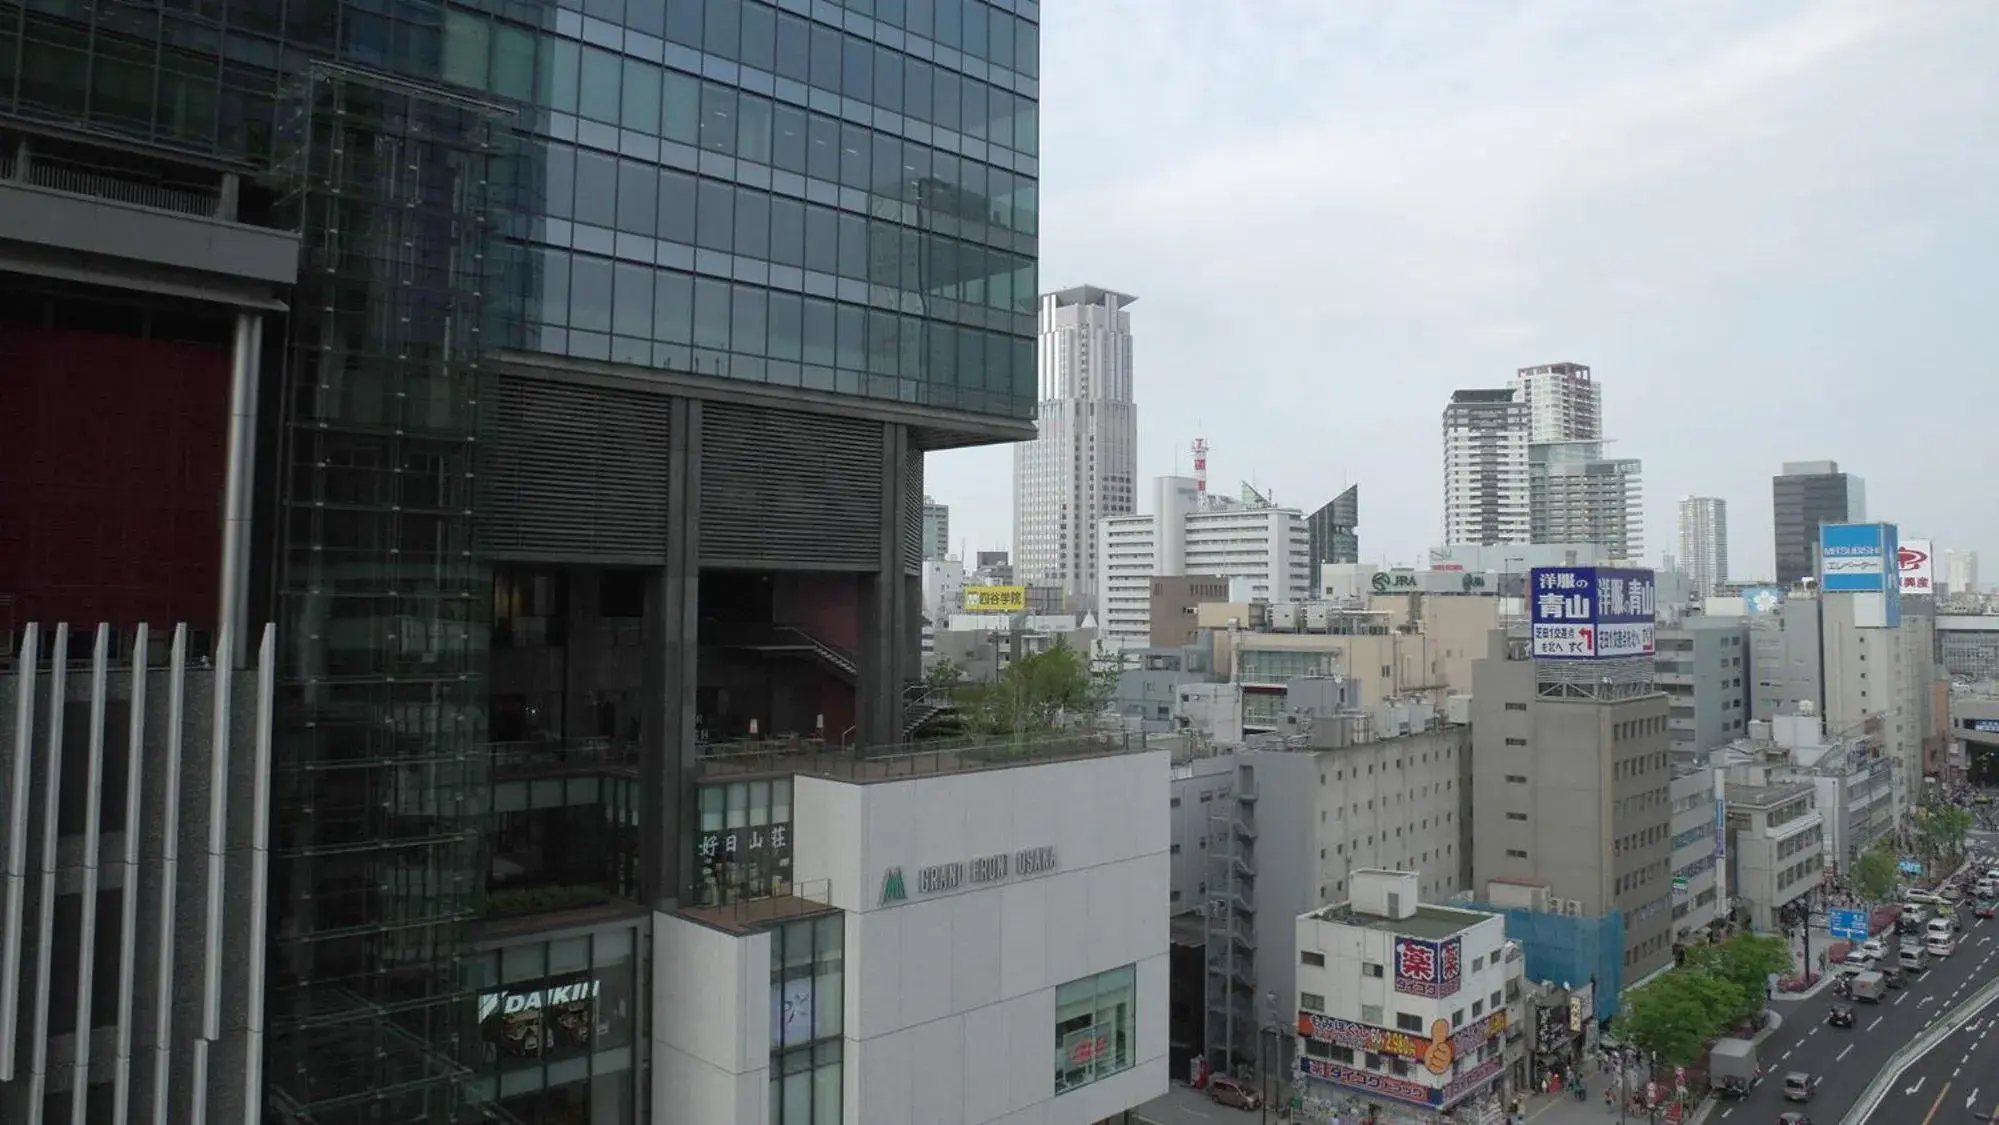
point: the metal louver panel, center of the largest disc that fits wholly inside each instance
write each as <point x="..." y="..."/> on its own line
<point x="790" y="488"/>
<point x="912" y="512"/>
<point x="575" y="472"/>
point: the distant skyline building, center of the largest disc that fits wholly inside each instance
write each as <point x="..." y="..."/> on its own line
<point x="1485" y="467"/>
<point x="1564" y="403"/>
<point x="936" y="529"/>
<point x="1703" y="542"/>
<point x="1803" y="496"/>
<point x="1960" y="571"/>
<point x="1333" y="531"/>
<point x="1083" y="463"/>
<point x="1577" y="495"/>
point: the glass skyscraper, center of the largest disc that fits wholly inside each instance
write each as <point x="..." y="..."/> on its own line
<point x="564" y="373"/>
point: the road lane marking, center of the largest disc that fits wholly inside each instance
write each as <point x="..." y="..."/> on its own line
<point x="1934" y="1105"/>
<point x="1877" y="1021"/>
<point x="1842" y="1053"/>
<point x="1901" y="998"/>
<point x="1917" y="1088"/>
<point x="1973" y="1099"/>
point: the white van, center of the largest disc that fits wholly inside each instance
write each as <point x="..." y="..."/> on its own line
<point x="1939" y="945"/>
<point x="1913" y="959"/>
<point x="1939" y="927"/>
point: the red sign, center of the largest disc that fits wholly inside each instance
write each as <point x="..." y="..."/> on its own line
<point x="1911" y="558"/>
<point x="1088" y="1048"/>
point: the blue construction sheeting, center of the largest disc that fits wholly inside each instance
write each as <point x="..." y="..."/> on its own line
<point x="1568" y="949"/>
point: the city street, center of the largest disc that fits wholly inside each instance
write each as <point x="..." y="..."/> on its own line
<point x="1957" y="1080"/>
<point x="1844" y="1061"/>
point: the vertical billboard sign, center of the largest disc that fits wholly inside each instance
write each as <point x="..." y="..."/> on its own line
<point x="1853" y="558"/>
<point x="1450" y="966"/>
<point x="1917" y="568"/>
<point x="1592" y="613"/>
<point x="1416" y="966"/>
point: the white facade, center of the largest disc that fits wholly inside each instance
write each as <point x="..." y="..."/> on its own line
<point x="1960" y="569"/>
<point x="1485" y="468"/>
<point x="936" y="529"/>
<point x="1703" y="542"/>
<point x="1577" y="495"/>
<point x="976" y="910"/>
<point x="1563" y="402"/>
<point x="1083" y="463"/>
<point x="1696" y="867"/>
<point x="1376" y="984"/>
<point x="1264" y="551"/>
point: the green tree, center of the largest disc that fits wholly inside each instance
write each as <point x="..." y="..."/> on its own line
<point x="1674" y="1015"/>
<point x="1033" y="694"/>
<point x="944" y="677"/>
<point x="1941" y="830"/>
<point x="1745" y="961"/>
<point x="1877" y="872"/>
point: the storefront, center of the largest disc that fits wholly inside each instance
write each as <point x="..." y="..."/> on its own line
<point x="558" y="1020"/>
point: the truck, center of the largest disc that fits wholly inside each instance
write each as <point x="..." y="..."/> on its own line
<point x="1731" y="1066"/>
<point x="1870" y="987"/>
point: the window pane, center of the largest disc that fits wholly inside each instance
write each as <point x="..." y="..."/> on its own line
<point x="798" y="1098"/>
<point x="513" y="62"/>
<point x="971" y="358"/>
<point x="819" y="332"/>
<point x="641" y="104"/>
<point x="596" y="189"/>
<point x="788" y="138"/>
<point x="794" y="48"/>
<point x="822" y="240"/>
<point x="787" y="232"/>
<point x="853" y="247"/>
<point x="711" y="314"/>
<point x="884" y="338"/>
<point x="940" y="354"/>
<point x="1000" y="120"/>
<point x="888" y="80"/>
<point x="715" y="228"/>
<point x="759" y="36"/>
<point x="554" y="306"/>
<point x="559" y="68"/>
<point x="826" y="1094"/>
<point x="944" y="100"/>
<point x="676" y="207"/>
<point x="638" y="203"/>
<point x="1027" y="48"/>
<point x="950" y="23"/>
<point x="851" y="342"/>
<point x="974" y="103"/>
<point x="683" y="23"/>
<point x="560" y="182"/>
<point x="722" y="33"/>
<point x="602" y="86"/>
<point x="857" y="68"/>
<point x="718" y="118"/>
<point x="999" y="45"/>
<point x="673" y="321"/>
<point x="854" y="159"/>
<point x="748" y="320"/>
<point x="787" y="326"/>
<point x="886" y="180"/>
<point x="752" y="224"/>
<point x="823" y="149"/>
<point x="680" y="108"/>
<point x="631" y="314"/>
<point x="917" y="90"/>
<point x="590" y="294"/>
<point x="825" y="58"/>
<point x="753" y="122"/>
<point x="467" y="46"/>
<point x="976" y="27"/>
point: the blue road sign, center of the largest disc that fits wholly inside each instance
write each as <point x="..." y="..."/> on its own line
<point x="1850" y="924"/>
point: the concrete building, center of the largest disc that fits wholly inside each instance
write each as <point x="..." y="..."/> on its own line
<point x="1172" y="611"/>
<point x="1960" y="571"/>
<point x="556" y="385"/>
<point x="1571" y="787"/>
<point x="1698" y="892"/>
<point x="1803" y="496"/>
<point x="1150" y="684"/>
<point x="936" y="529"/>
<point x="982" y="646"/>
<point x="1485" y="467"/>
<point x="1968" y="646"/>
<point x="1346" y="788"/>
<point x="1398" y="648"/>
<point x="981" y="944"/>
<point x="1408" y="1004"/>
<point x="1703" y="666"/>
<point x="1082" y="465"/>
<point x="1974" y="731"/>
<point x="1260" y="548"/>
<point x="1776" y="841"/>
<point x="1852" y="779"/>
<point x="1577" y="495"/>
<point x="1512" y="561"/>
<point x="1563" y="402"/>
<point x="1703" y="542"/>
<point x="1333" y="530"/>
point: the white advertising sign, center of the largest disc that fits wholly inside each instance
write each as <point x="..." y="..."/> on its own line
<point x="1625" y="640"/>
<point x="1918" y="567"/>
<point x="1564" y="640"/>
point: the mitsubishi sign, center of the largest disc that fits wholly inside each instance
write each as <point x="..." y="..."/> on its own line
<point x="1917" y="566"/>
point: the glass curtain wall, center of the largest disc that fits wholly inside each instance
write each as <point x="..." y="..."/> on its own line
<point x="807" y="978"/>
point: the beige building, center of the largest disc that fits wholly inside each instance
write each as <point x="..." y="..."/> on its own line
<point x="1575" y="794"/>
<point x="1400" y="645"/>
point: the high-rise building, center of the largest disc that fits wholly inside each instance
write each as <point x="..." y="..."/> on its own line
<point x="1960" y="569"/>
<point x="1333" y="531"/>
<point x="1485" y="468"/>
<point x="559" y="373"/>
<point x="1704" y="542"/>
<point x="1563" y="403"/>
<point x="1577" y="495"/>
<point x="1262" y="547"/>
<point x="1803" y="496"/>
<point x="1083" y="462"/>
<point x="936" y="529"/>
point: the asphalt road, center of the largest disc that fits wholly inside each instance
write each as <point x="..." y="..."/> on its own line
<point x="1955" y="1081"/>
<point x="1843" y="1061"/>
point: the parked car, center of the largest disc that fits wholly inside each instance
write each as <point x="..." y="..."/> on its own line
<point x="1226" y="1091"/>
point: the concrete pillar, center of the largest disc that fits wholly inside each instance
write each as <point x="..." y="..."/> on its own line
<point x="239" y="489"/>
<point x="226" y="198"/>
<point x="888" y="628"/>
<point x="670" y="758"/>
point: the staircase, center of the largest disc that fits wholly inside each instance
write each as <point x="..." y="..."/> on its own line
<point x="921" y="705"/>
<point x="783" y="639"/>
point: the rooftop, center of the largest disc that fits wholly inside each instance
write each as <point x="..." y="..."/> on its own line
<point x="1766" y="796"/>
<point x="1429" y="922"/>
<point x="747" y="917"/>
<point x="904" y="761"/>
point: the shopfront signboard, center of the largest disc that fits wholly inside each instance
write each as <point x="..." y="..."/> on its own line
<point x="966" y="874"/>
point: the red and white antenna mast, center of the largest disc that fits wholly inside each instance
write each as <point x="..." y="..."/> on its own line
<point x="1201" y="472"/>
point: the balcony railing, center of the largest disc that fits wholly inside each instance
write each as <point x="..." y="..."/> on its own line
<point x="538" y="757"/>
<point x="99" y="185"/>
<point x="923" y="759"/>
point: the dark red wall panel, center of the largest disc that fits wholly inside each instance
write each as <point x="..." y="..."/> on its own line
<point x="112" y="454"/>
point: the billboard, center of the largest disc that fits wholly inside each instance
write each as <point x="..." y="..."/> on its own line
<point x="1853" y="557"/>
<point x="996" y="599"/>
<point x="1763" y="599"/>
<point x="1592" y="612"/>
<point x="1429" y="968"/>
<point x="1918" y="569"/>
<point x="548" y="1019"/>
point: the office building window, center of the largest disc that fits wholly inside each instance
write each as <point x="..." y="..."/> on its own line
<point x="1096" y="1027"/>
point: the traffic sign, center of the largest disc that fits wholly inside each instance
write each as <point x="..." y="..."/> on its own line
<point x="1850" y="924"/>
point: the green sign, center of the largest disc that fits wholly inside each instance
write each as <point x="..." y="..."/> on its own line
<point x="1385" y="581"/>
<point x="892" y="888"/>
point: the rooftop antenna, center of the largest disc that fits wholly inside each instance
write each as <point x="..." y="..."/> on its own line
<point x="1200" y="472"/>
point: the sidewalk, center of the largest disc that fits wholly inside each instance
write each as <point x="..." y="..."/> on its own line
<point x="1564" y="1109"/>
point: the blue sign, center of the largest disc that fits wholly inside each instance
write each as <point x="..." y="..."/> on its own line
<point x="1721" y="828"/>
<point x="1850" y="924"/>
<point x="1591" y="612"/>
<point x="1763" y="599"/>
<point x="1910" y="867"/>
<point x="1858" y="558"/>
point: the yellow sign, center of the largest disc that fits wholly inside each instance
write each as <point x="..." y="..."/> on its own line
<point x="996" y="599"/>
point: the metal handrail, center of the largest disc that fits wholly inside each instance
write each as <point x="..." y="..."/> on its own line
<point x="1906" y="1055"/>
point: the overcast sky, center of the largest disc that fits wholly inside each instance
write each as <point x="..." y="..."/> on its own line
<point x="1771" y="227"/>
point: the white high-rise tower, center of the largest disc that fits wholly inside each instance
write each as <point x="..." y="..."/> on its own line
<point x="1704" y="542"/>
<point x="1563" y="402"/>
<point x="1082" y="465"/>
<point x="1485" y="467"/>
